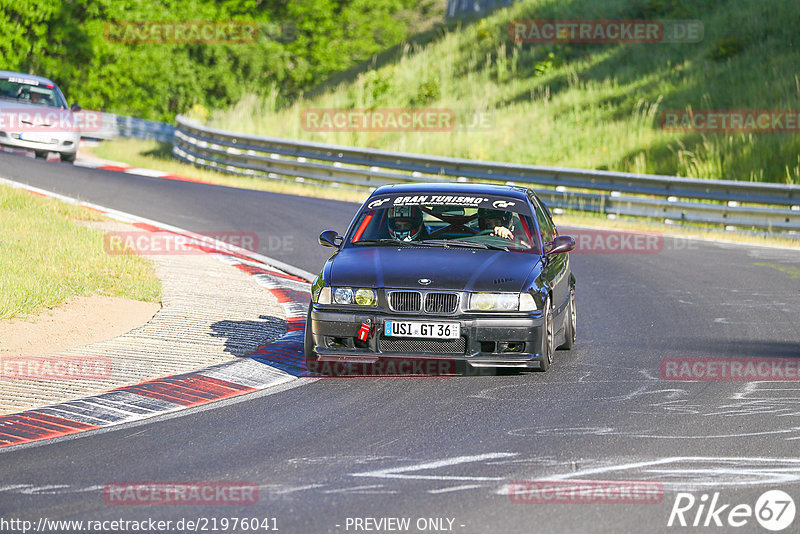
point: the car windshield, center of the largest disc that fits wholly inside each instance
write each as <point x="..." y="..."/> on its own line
<point x="29" y="91"/>
<point x="446" y="225"/>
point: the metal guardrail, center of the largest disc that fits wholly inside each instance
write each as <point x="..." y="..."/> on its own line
<point x="122" y="126"/>
<point x="773" y="207"/>
<point x="473" y="7"/>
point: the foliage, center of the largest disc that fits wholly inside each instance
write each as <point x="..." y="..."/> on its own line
<point x="299" y="43"/>
<point x="584" y="105"/>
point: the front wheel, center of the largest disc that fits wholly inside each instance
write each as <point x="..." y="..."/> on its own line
<point x="546" y="359"/>
<point x="571" y="324"/>
<point x="68" y="158"/>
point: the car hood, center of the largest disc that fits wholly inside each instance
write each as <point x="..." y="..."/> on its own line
<point x="452" y="268"/>
<point x="41" y="116"/>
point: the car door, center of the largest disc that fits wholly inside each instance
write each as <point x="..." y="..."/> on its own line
<point x="556" y="267"/>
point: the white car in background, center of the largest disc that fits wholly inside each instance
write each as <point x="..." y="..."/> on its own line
<point x="34" y="115"/>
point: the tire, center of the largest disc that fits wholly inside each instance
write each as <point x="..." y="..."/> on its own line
<point x="41" y="155"/>
<point x="68" y="158"/>
<point x="308" y="346"/>
<point x="571" y="324"/>
<point x="546" y="359"/>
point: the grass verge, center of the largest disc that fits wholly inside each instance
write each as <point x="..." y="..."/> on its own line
<point x="576" y="104"/>
<point x="48" y="256"/>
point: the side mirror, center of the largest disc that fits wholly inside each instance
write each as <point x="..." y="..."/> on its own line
<point x="560" y="245"/>
<point x="75" y="108"/>
<point x="330" y="238"/>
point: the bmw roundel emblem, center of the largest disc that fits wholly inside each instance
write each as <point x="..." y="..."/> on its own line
<point x="424" y="281"/>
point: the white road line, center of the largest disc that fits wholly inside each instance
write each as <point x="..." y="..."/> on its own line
<point x="146" y="172"/>
<point x="396" y="471"/>
<point x="299" y="488"/>
<point x="354" y="489"/>
<point x="456" y="488"/>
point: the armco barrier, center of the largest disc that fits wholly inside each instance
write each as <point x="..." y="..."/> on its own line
<point x="771" y="207"/>
<point x="123" y="126"/>
<point x="457" y="8"/>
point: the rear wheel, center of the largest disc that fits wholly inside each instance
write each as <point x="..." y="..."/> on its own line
<point x="68" y="158"/>
<point x="308" y="346"/>
<point x="571" y="324"/>
<point x="546" y="359"/>
<point x="41" y="155"/>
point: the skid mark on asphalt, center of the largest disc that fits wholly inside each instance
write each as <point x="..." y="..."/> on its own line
<point x="609" y="431"/>
<point x="413" y="471"/>
<point x="686" y="473"/>
<point x="364" y="490"/>
<point x="455" y="488"/>
<point x="676" y="473"/>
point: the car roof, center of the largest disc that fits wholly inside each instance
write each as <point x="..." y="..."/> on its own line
<point x="40" y="79"/>
<point x="452" y="187"/>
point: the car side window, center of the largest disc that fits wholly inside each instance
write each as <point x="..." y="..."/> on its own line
<point x="546" y="225"/>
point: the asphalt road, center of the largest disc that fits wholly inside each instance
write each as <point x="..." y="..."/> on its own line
<point x="449" y="448"/>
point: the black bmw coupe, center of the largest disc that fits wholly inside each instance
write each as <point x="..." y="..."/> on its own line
<point x="469" y="272"/>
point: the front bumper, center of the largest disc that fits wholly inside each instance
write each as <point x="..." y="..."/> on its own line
<point x="486" y="341"/>
<point x="61" y="142"/>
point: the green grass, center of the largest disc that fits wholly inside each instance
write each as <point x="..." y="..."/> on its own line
<point x="580" y="105"/>
<point x="48" y="255"/>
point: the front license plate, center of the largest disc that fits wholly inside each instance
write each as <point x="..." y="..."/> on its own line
<point x="36" y="137"/>
<point x="419" y="329"/>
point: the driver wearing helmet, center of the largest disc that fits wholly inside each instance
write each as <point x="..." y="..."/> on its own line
<point x="405" y="223"/>
<point x="497" y="221"/>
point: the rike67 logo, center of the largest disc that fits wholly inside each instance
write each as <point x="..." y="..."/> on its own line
<point x="774" y="510"/>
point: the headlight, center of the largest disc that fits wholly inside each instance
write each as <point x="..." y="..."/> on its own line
<point x="343" y="295"/>
<point x="361" y="297"/>
<point x="366" y="297"/>
<point x="324" y="296"/>
<point x="526" y="302"/>
<point x="494" y="301"/>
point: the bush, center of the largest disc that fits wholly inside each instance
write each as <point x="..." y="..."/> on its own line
<point x="298" y="45"/>
<point x="727" y="47"/>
